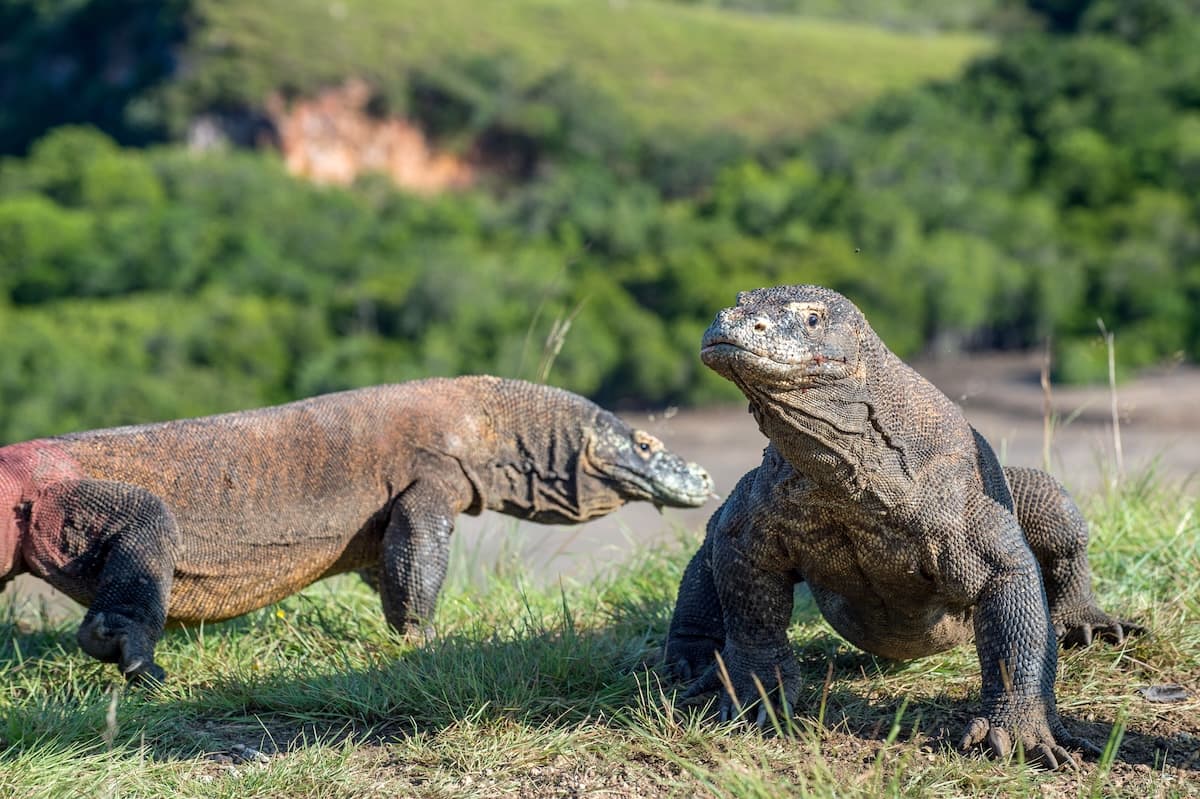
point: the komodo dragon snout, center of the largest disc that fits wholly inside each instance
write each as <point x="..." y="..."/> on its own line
<point x="638" y="466"/>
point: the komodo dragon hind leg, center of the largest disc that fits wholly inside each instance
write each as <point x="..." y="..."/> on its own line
<point x="1058" y="535"/>
<point x="116" y="543"/>
<point x="416" y="552"/>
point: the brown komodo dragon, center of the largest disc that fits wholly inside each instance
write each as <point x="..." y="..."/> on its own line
<point x="209" y="518"/>
<point x="876" y="492"/>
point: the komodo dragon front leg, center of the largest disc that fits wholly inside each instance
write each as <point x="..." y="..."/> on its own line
<point x="756" y="594"/>
<point x="416" y="553"/>
<point x="697" y="629"/>
<point x="112" y="546"/>
<point x="1014" y="638"/>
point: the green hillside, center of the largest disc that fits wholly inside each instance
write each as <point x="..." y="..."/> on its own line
<point x="665" y="66"/>
<point x="910" y="15"/>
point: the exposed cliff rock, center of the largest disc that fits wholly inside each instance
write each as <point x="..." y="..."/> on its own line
<point x="334" y="137"/>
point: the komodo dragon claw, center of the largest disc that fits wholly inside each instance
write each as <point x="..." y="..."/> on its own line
<point x="1040" y="747"/>
<point x="1085" y="633"/>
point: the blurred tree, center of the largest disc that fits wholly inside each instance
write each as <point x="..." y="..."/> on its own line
<point x="84" y="61"/>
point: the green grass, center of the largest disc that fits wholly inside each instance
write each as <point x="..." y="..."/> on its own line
<point x="549" y="691"/>
<point x="669" y="67"/>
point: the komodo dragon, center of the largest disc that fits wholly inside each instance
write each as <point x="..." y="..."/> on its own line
<point x="876" y="492"/>
<point x="206" y="519"/>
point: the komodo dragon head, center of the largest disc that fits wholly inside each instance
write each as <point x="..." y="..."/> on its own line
<point x="829" y="394"/>
<point x="785" y="339"/>
<point x="637" y="466"/>
<point x="554" y="457"/>
<point x="805" y="357"/>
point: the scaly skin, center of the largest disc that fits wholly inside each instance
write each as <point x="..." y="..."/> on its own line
<point x="206" y="519"/>
<point x="876" y="492"/>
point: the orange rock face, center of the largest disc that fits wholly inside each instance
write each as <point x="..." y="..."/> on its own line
<point x="332" y="138"/>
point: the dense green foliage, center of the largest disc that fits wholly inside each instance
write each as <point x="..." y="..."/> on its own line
<point x="1056" y="182"/>
<point x="144" y="284"/>
<point x="1059" y="177"/>
<point x="57" y="67"/>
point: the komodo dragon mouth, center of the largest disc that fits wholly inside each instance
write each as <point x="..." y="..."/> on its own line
<point x="726" y="356"/>
<point x="686" y="487"/>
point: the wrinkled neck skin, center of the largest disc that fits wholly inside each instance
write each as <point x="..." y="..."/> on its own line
<point x="843" y="434"/>
<point x="539" y="468"/>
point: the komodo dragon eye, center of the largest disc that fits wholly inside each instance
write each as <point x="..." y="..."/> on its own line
<point x="645" y="443"/>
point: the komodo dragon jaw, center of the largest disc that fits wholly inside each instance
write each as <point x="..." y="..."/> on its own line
<point x="638" y="466"/>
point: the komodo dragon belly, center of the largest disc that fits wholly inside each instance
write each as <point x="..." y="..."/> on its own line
<point x="225" y="575"/>
<point x="910" y="631"/>
<point x="874" y="585"/>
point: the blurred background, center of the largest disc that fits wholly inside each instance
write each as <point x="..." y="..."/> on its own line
<point x="208" y="205"/>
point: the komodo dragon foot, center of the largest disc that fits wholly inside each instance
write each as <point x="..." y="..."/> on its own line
<point x="745" y="678"/>
<point x="688" y="658"/>
<point x="112" y="638"/>
<point x="1043" y="742"/>
<point x="1080" y="627"/>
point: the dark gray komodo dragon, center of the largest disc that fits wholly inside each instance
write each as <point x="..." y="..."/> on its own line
<point x="876" y="492"/>
<point x="210" y="518"/>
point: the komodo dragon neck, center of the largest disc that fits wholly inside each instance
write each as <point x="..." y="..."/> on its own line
<point x="537" y="466"/>
<point x="849" y="434"/>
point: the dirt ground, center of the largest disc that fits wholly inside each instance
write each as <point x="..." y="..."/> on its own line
<point x="1159" y="420"/>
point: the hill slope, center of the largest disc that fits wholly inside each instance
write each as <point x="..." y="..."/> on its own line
<point x="665" y="66"/>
